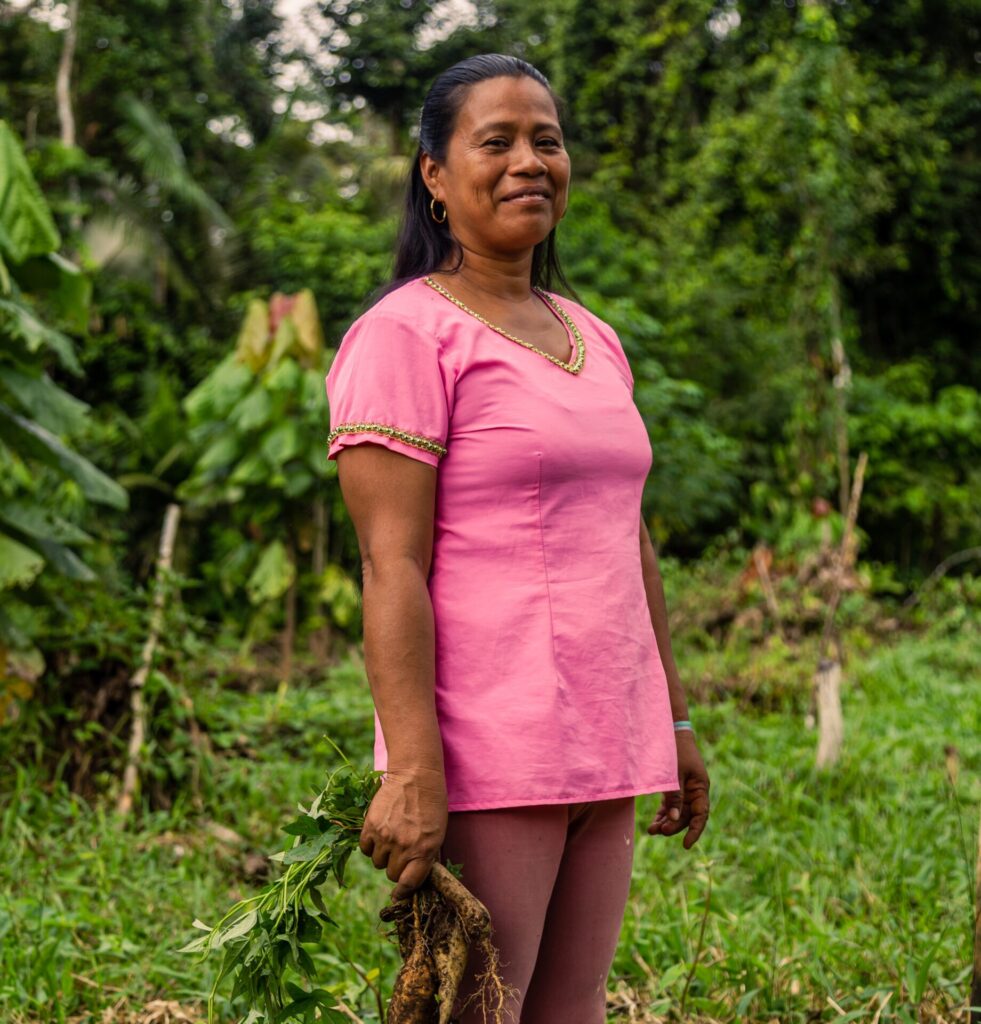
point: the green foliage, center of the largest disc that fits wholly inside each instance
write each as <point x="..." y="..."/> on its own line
<point x="924" y="450"/>
<point x="820" y="888"/>
<point x="43" y="480"/>
<point x="262" y="937"/>
<point x="256" y="428"/>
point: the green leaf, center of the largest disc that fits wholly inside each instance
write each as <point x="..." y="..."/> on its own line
<point x="66" y="288"/>
<point x="19" y="565"/>
<point x="44" y="401"/>
<point x="282" y="443"/>
<point x="273" y="576"/>
<point x="25" y="325"/>
<point x="195" y="945"/>
<point x="305" y="852"/>
<point x="303" y="826"/>
<point x="26" y="225"/>
<point x="237" y="929"/>
<point x="36" y="521"/>
<point x="286" y="377"/>
<point x="317" y="899"/>
<point x="253" y="411"/>
<point x="308" y="928"/>
<point x="28" y="438"/>
<point x="220" y="454"/>
<point x="65" y="561"/>
<point x="251" y="470"/>
<point x="215" y="396"/>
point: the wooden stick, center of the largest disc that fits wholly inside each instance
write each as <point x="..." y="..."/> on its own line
<point x="827" y="680"/>
<point x="137" y="708"/>
<point x="976" y="982"/>
<point x="846" y="552"/>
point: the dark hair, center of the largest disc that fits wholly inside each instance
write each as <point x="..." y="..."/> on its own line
<point x="423" y="244"/>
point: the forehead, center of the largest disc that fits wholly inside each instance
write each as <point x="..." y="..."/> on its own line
<point x="505" y="99"/>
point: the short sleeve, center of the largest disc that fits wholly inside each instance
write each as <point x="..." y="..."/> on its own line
<point x="386" y="386"/>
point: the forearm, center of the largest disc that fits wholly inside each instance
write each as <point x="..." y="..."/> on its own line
<point x="399" y="647"/>
<point x="654" y="588"/>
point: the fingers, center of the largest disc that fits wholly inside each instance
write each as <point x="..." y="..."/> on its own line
<point x="668" y="819"/>
<point x="699" y="804"/>
<point x="366" y="844"/>
<point x="412" y="876"/>
<point x="680" y="812"/>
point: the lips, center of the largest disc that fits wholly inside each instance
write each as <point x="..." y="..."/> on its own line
<point x="531" y="191"/>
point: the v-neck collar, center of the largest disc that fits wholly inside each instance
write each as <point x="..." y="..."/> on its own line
<point x="575" y="335"/>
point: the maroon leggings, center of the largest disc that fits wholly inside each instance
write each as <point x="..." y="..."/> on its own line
<point x="555" y="879"/>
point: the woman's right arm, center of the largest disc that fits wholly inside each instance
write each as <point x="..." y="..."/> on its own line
<point x="391" y="501"/>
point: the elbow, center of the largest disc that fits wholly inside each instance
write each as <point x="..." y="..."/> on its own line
<point x="382" y="567"/>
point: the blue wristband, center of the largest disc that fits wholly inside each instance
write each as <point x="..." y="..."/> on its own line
<point x="683" y="724"/>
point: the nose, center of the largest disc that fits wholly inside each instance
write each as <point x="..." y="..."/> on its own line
<point x="526" y="159"/>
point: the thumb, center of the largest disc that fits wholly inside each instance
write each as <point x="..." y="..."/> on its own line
<point x="667" y="814"/>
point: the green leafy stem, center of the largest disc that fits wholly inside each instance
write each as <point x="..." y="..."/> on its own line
<point x="261" y="938"/>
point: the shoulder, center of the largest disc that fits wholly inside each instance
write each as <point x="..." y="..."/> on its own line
<point x="408" y="311"/>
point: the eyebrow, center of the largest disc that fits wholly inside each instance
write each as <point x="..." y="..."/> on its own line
<point x="498" y="126"/>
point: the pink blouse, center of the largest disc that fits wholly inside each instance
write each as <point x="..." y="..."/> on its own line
<point x="549" y="685"/>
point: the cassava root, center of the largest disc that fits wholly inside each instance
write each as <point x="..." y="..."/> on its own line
<point x="437" y="927"/>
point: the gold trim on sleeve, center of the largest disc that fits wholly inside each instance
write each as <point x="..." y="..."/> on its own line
<point x="425" y="443"/>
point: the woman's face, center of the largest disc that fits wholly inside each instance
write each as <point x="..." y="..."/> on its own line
<point x="505" y="179"/>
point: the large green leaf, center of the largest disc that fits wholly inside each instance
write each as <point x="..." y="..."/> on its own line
<point x="26" y="226"/>
<point x="19" y="565"/>
<point x="220" y="454"/>
<point x="65" y="561"/>
<point x="44" y="401"/>
<point x="272" y="576"/>
<point x="65" y="287"/>
<point x="36" y="521"/>
<point x="22" y="323"/>
<point x="282" y="443"/>
<point x="253" y="411"/>
<point x="29" y="439"/>
<point x="215" y="396"/>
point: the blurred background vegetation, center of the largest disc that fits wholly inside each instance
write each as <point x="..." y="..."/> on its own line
<point x="775" y="203"/>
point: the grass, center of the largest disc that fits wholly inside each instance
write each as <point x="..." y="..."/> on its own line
<point x="843" y="896"/>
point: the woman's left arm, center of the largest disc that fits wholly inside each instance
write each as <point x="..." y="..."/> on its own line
<point x="687" y="807"/>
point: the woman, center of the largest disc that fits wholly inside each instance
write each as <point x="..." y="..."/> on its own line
<point x="492" y="460"/>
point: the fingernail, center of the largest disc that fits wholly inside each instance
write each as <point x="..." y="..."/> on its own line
<point x="674" y="813"/>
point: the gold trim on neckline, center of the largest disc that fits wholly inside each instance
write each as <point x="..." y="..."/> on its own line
<point x="575" y="367"/>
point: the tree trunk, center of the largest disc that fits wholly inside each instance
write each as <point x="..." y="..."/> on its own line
<point x="63" y="96"/>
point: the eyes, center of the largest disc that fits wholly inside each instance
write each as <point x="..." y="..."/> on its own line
<point x="546" y="142"/>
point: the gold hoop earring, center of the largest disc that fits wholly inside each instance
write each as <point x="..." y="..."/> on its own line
<point x="432" y="210"/>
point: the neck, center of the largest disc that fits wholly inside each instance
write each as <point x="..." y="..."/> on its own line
<point x="506" y="278"/>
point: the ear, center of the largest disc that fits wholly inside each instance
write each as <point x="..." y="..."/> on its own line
<point x="430" y="174"/>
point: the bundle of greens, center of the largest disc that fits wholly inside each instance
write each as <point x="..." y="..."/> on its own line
<point x="261" y="938"/>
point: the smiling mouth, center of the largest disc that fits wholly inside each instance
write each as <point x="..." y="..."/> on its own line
<point x="529" y="197"/>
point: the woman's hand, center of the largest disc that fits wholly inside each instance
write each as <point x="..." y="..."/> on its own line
<point x="687" y="807"/>
<point x="405" y="826"/>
